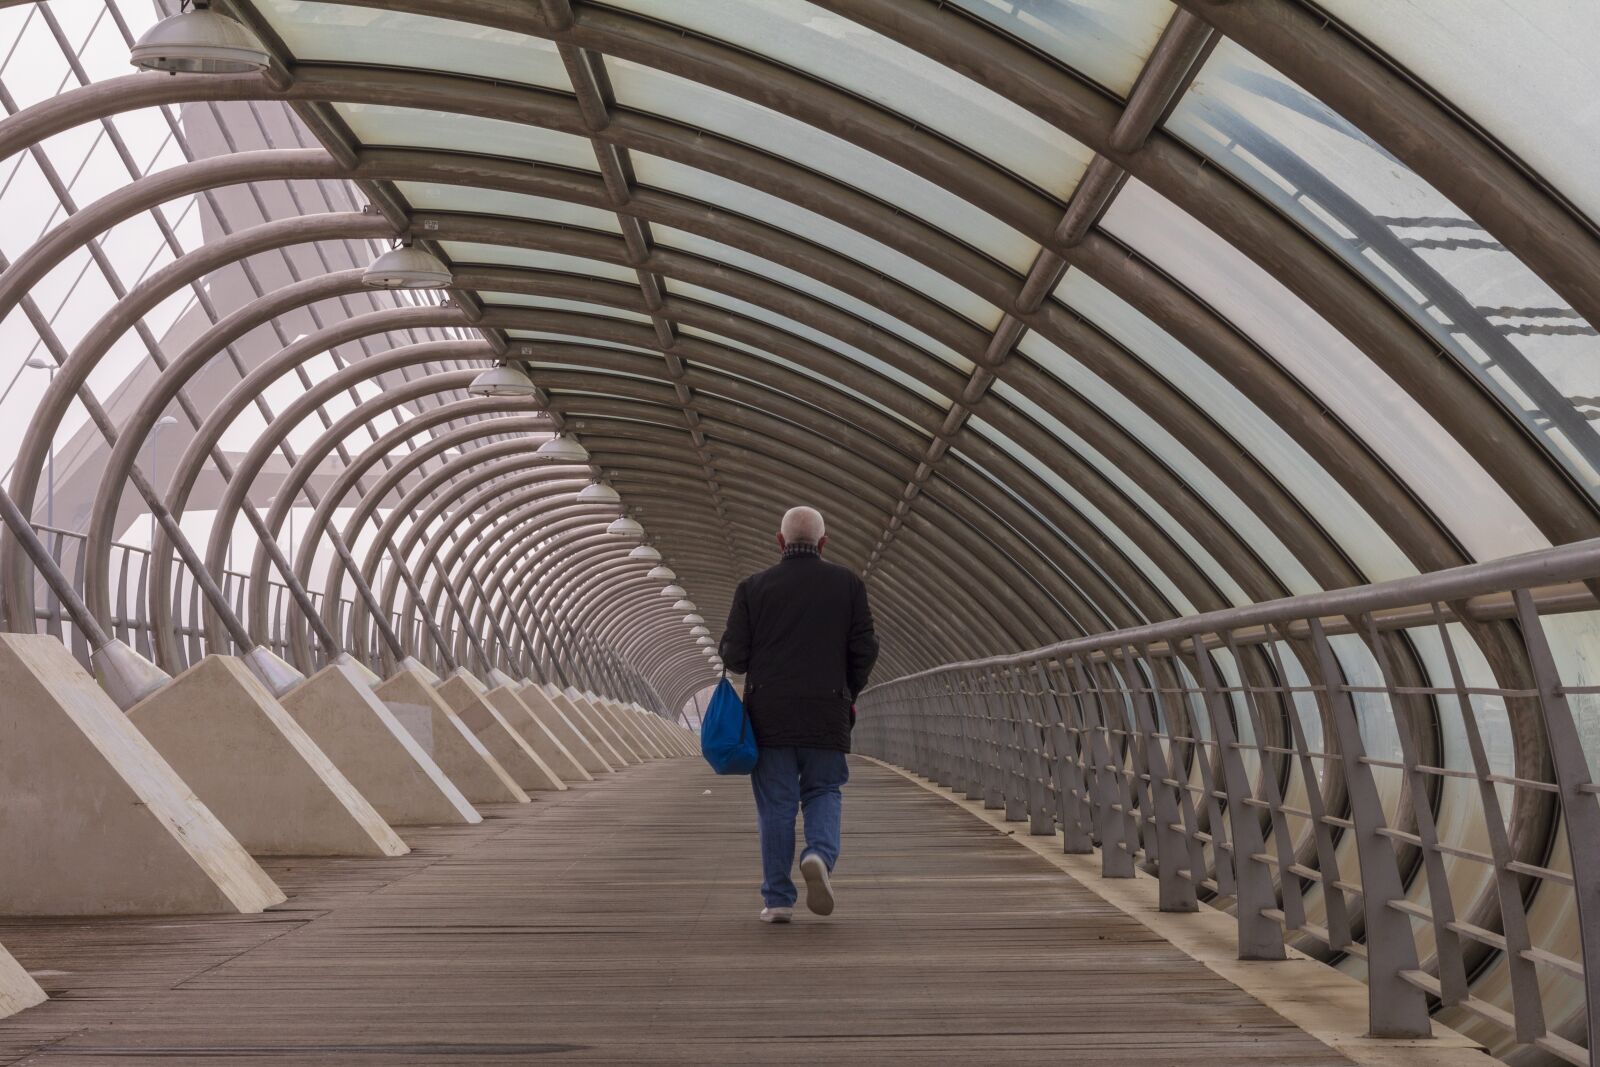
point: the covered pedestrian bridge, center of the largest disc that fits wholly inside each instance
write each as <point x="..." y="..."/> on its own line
<point x="392" y="395"/>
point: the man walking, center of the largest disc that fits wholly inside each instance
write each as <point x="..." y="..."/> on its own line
<point x="801" y="633"/>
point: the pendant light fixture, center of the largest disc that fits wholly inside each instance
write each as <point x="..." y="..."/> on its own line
<point x="503" y="379"/>
<point x="200" y="41"/>
<point x="625" y="527"/>
<point x="562" y="449"/>
<point x="598" y="493"/>
<point x="407" y="267"/>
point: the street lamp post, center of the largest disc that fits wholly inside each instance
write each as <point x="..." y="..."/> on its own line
<point x="40" y="363"/>
<point x="155" y="459"/>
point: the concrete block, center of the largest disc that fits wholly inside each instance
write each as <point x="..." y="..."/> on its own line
<point x="257" y="769"/>
<point x="624" y="737"/>
<point x="465" y="696"/>
<point x="629" y="736"/>
<point x="18" y="990"/>
<point x="656" y="727"/>
<point x="92" y="820"/>
<point x="597" y="731"/>
<point x="454" y="747"/>
<point x="638" y="724"/>
<point x="539" y="705"/>
<point x="549" y="748"/>
<point x="365" y="740"/>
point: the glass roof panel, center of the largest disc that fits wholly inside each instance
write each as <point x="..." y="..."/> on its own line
<point x="1106" y="40"/>
<point x="832" y="383"/>
<point x="1476" y="299"/>
<point x="410" y="127"/>
<point x="815" y="336"/>
<point x="704" y="107"/>
<point x="431" y="196"/>
<point x="339" y="33"/>
<point x="1182" y="462"/>
<point x="718" y="252"/>
<point x="1075" y="500"/>
<point x="1518" y="69"/>
<point x="742" y="199"/>
<point x="530" y="300"/>
<point x="569" y="338"/>
<point x="1180" y="535"/>
<point x="506" y="256"/>
<point x="1335" y="510"/>
<point x="1435" y="465"/>
<point x="845" y="53"/>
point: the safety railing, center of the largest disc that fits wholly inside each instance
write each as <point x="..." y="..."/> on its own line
<point x="1398" y="779"/>
<point x="130" y="621"/>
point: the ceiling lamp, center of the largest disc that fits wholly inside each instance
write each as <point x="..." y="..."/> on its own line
<point x="673" y="590"/>
<point x="684" y="605"/>
<point x="625" y="527"/>
<point x="708" y="653"/>
<point x="200" y="42"/>
<point x="647" y="553"/>
<point x="407" y="267"/>
<point x="598" y="493"/>
<point x="503" y="379"/>
<point x="562" y="449"/>
<point x="704" y="642"/>
<point x="694" y="620"/>
<point x="699" y="631"/>
<point x="663" y="572"/>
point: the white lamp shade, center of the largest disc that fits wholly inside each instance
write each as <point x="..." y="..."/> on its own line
<point x="672" y="590"/>
<point x="645" y="552"/>
<point x="693" y="620"/>
<point x="407" y="267"/>
<point x="699" y="631"/>
<point x="707" y="652"/>
<point x="200" y="42"/>
<point x="625" y="527"/>
<point x="562" y="450"/>
<point x="684" y="605"/>
<point x="663" y="572"/>
<point x="503" y="380"/>
<point x="704" y="642"/>
<point x="598" y="493"/>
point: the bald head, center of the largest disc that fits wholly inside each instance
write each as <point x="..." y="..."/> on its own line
<point x="802" y="525"/>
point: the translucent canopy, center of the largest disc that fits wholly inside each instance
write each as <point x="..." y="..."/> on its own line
<point x="1070" y="315"/>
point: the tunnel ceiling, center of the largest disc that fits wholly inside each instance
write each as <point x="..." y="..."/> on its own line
<point x="1068" y="315"/>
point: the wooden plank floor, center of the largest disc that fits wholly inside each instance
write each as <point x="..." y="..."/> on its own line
<point x="616" y="924"/>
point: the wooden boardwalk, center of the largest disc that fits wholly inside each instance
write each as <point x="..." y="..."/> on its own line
<point x="616" y="924"/>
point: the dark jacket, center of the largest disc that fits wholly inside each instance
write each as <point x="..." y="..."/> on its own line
<point x="801" y="632"/>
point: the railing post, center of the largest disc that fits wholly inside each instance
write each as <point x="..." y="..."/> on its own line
<point x="1260" y="938"/>
<point x="1041" y="818"/>
<point x="1579" y="805"/>
<point x="1294" y="912"/>
<point x="1116" y="854"/>
<point x="1333" y="902"/>
<point x="1072" y="788"/>
<point x="1166" y="845"/>
<point x="1395" y="1007"/>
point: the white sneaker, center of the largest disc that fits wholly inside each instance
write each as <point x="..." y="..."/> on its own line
<point x="777" y="915"/>
<point x="819" y="892"/>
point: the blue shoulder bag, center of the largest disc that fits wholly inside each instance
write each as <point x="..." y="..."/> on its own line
<point x="726" y="740"/>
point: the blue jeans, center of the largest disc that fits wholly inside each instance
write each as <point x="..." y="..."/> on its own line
<point x="786" y="780"/>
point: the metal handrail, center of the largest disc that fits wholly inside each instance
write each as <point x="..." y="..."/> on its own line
<point x="1562" y="576"/>
<point x="1390" y="777"/>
